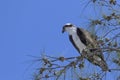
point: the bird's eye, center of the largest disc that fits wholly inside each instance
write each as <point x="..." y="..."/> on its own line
<point x="68" y="25"/>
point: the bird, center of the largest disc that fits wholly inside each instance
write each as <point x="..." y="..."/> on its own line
<point x="81" y="39"/>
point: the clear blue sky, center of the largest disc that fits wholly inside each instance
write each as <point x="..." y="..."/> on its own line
<point x="27" y="27"/>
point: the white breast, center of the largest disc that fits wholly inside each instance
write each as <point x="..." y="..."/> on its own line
<point x="78" y="42"/>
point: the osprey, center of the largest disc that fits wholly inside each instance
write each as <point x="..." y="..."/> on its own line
<point x="81" y="39"/>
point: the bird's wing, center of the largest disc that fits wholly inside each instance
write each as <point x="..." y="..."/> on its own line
<point x="82" y="37"/>
<point x="89" y="37"/>
<point x="98" y="55"/>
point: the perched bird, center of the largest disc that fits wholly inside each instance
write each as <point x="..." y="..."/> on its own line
<point x="81" y="40"/>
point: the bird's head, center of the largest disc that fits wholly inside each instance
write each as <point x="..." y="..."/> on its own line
<point x="70" y="28"/>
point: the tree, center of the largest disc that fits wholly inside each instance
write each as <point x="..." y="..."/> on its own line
<point x="107" y="31"/>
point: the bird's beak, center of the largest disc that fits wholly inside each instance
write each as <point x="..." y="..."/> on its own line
<point x="63" y="31"/>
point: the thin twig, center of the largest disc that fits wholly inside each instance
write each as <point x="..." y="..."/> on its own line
<point x="111" y="31"/>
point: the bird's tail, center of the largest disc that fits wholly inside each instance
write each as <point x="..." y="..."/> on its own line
<point x="97" y="58"/>
<point x="103" y="65"/>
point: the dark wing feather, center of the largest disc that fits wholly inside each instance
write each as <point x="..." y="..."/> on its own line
<point x="89" y="38"/>
<point x="81" y="36"/>
<point x="71" y="40"/>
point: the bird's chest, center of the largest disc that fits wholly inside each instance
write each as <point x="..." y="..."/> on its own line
<point x="78" y="42"/>
<point x="76" y="39"/>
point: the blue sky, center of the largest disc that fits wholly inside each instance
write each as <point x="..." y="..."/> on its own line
<point x="28" y="27"/>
